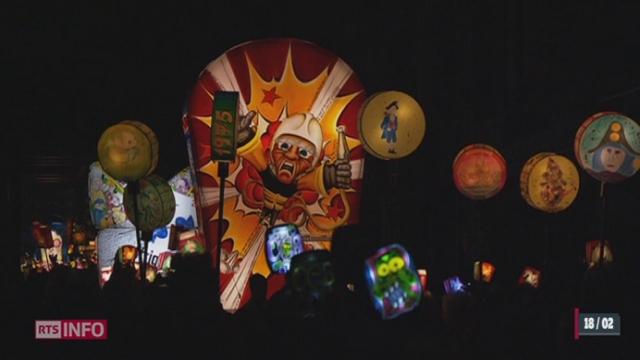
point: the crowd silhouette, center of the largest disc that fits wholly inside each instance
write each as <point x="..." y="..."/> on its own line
<point x="178" y="314"/>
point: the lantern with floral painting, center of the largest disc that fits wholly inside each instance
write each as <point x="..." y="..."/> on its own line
<point x="549" y="182"/>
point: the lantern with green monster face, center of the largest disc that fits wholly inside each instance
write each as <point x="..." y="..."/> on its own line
<point x="393" y="282"/>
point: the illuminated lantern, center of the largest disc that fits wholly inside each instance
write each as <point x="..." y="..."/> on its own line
<point x="283" y="243"/>
<point x="592" y="253"/>
<point x="106" y="199"/>
<point x="424" y="278"/>
<point x="312" y="274"/>
<point x="391" y="125"/>
<point x="156" y="204"/>
<point x="549" y="182"/>
<point x="394" y="284"/>
<point x="530" y="276"/>
<point x="454" y="285"/>
<point x="128" y="151"/>
<point x="127" y="255"/>
<point x="479" y="171"/>
<point x="42" y="234"/>
<point x="483" y="271"/>
<point x="151" y="274"/>
<point x="607" y="146"/>
<point x="294" y="97"/>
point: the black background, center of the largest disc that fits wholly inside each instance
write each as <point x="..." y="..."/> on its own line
<point x="518" y="75"/>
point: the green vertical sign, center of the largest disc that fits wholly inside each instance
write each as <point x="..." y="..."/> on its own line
<point x="223" y="126"/>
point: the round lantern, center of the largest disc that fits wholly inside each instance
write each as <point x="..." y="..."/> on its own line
<point x="479" y="171"/>
<point x="156" y="204"/>
<point x="607" y="146"/>
<point x="128" y="151"/>
<point x="391" y="125"/>
<point x="549" y="182"/>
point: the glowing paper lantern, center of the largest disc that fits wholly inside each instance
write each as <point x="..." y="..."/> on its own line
<point x="283" y="243"/>
<point x="479" y="171"/>
<point x="127" y="255"/>
<point x="312" y="276"/>
<point x="156" y="204"/>
<point x="42" y="234"/>
<point x="483" y="271"/>
<point x="530" y="276"/>
<point x="292" y="92"/>
<point x="607" y="146"/>
<point x="128" y="151"/>
<point x="391" y="125"/>
<point x="549" y="182"/>
<point x="592" y="253"/>
<point x="454" y="285"/>
<point x="105" y="199"/>
<point x="424" y="278"/>
<point x="394" y="284"/>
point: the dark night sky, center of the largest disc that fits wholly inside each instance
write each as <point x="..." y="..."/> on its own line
<point x="519" y="75"/>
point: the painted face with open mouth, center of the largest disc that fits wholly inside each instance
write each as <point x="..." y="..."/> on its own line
<point x="292" y="157"/>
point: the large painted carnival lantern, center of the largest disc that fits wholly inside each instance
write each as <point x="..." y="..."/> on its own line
<point x="607" y="146"/>
<point x="299" y="159"/>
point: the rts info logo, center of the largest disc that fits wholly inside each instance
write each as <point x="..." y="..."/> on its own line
<point x="71" y="329"/>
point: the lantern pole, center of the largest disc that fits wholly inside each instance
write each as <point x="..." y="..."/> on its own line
<point x="134" y="189"/>
<point x="603" y="220"/>
<point x="223" y="172"/>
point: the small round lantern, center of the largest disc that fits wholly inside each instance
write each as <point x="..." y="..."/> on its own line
<point x="128" y="151"/>
<point x="549" y="182"/>
<point x="156" y="204"/>
<point x="479" y="171"/>
<point x="391" y="125"/>
<point x="607" y="146"/>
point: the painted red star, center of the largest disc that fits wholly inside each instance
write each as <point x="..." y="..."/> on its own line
<point x="334" y="211"/>
<point x="270" y="96"/>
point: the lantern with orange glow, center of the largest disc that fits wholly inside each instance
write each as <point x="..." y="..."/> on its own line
<point x="479" y="171"/>
<point x="483" y="271"/>
<point x="127" y="255"/>
<point x="607" y="146"/>
<point x="549" y="182"/>
<point x="530" y="276"/>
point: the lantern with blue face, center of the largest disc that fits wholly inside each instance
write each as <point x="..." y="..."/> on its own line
<point x="393" y="282"/>
<point x="283" y="243"/>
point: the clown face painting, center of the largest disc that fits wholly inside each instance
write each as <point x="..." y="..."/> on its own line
<point x="394" y="284"/>
<point x="607" y="146"/>
<point x="283" y="243"/>
<point x="299" y="159"/>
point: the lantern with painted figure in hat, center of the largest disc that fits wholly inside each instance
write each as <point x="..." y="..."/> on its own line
<point x="607" y="146"/>
<point x="391" y="125"/>
<point x="479" y="171"/>
<point x="549" y="182"/>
